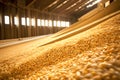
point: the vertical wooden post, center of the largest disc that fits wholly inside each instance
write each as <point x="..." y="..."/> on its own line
<point x="43" y="27"/>
<point x="25" y="26"/>
<point x="11" y="22"/>
<point x="1" y="21"/>
<point x="50" y="28"/>
<point x="19" y="22"/>
<point x="35" y="26"/>
<point x="36" y="23"/>
<point x="29" y="27"/>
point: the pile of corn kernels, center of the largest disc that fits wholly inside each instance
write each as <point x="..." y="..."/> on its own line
<point x="91" y="55"/>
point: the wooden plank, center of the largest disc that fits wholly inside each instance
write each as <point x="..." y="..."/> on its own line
<point x="11" y="21"/>
<point x="1" y="21"/>
<point x="54" y="6"/>
<point x="50" y="5"/>
<point x="64" y="6"/>
<point x="72" y="10"/>
<point x="30" y="3"/>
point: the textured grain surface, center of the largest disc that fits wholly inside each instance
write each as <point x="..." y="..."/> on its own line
<point x="91" y="55"/>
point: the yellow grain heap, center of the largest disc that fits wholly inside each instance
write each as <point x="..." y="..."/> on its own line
<point x="90" y="55"/>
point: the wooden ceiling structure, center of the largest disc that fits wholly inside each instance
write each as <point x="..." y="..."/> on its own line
<point x="66" y="7"/>
<point x="74" y="8"/>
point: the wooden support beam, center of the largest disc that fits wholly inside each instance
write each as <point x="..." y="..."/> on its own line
<point x="11" y="21"/>
<point x="33" y="9"/>
<point x="64" y="6"/>
<point x="53" y="3"/>
<point x="72" y="10"/>
<point x="54" y="6"/>
<point x="1" y="22"/>
<point x="30" y="3"/>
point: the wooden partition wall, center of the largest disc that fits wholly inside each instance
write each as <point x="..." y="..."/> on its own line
<point x="11" y="30"/>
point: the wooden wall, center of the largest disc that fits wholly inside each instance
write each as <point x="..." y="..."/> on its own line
<point x="11" y="31"/>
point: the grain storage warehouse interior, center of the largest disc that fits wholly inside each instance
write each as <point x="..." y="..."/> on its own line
<point x="59" y="39"/>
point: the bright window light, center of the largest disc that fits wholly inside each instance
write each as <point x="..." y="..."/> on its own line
<point x="33" y="22"/>
<point x="92" y="4"/>
<point x="46" y="22"/>
<point x="54" y="23"/>
<point x="50" y="23"/>
<point x="28" y="21"/>
<point x="58" y="23"/>
<point x="7" y="21"/>
<point x="23" y="20"/>
<point x="42" y="22"/>
<point x="16" y="20"/>
<point x="67" y="24"/>
<point x="62" y="23"/>
<point x="38" y="22"/>
<point x="107" y="3"/>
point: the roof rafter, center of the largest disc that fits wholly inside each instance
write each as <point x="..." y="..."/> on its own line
<point x="78" y="6"/>
<point x="30" y="3"/>
<point x="83" y="11"/>
<point x="51" y="4"/>
<point x="63" y="7"/>
<point x="41" y="5"/>
<point x="54" y="6"/>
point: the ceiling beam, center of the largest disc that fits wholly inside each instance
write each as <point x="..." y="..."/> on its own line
<point x="47" y="3"/>
<point x="54" y="6"/>
<point x="78" y="6"/>
<point x="53" y="3"/>
<point x="79" y="13"/>
<point x="30" y="3"/>
<point x="42" y="4"/>
<point x="64" y="6"/>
